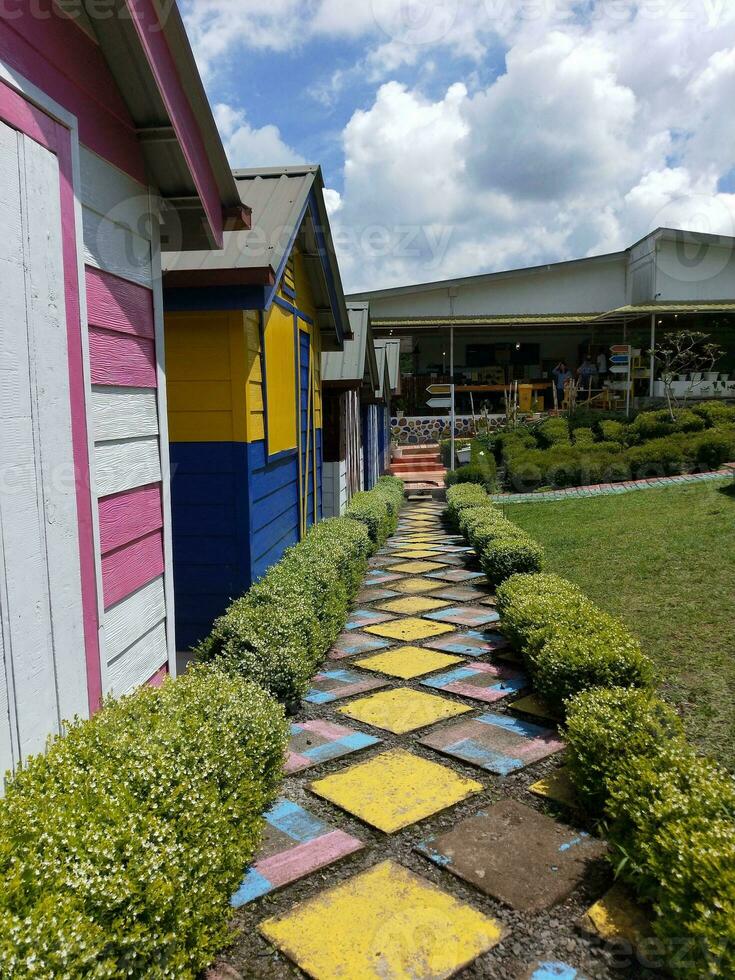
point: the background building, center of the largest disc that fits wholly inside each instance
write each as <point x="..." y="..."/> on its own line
<point x="517" y="325"/>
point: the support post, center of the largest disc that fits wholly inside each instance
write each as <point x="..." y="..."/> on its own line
<point x="652" y="366"/>
<point x="451" y="393"/>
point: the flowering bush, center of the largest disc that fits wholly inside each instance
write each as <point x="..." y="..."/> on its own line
<point x="120" y="847"/>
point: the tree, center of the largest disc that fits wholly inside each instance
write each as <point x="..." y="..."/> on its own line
<point x="684" y="352"/>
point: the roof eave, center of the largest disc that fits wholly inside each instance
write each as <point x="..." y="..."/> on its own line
<point x="149" y="55"/>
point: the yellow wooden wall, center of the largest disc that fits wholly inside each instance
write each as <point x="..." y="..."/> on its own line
<point x="214" y="378"/>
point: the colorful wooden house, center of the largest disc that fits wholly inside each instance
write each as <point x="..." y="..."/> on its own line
<point x="245" y="330"/>
<point x="350" y="381"/>
<point x="108" y="153"/>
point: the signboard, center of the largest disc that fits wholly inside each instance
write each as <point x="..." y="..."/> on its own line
<point x="620" y="358"/>
<point x="439" y="402"/>
<point x="439" y="389"/>
<point x="620" y="349"/>
<point x="619" y="368"/>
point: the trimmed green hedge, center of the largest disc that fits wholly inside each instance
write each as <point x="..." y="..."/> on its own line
<point x="462" y="496"/>
<point x="607" y="450"/>
<point x="378" y="508"/>
<point x="669" y="815"/>
<point x="120" y="847"/>
<point x="503" y="549"/>
<point x="604" y="727"/>
<point x="569" y="644"/>
<point x="672" y="825"/>
<point x="278" y="632"/>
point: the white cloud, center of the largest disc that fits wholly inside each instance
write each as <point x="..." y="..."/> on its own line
<point x="248" y="146"/>
<point x="609" y="118"/>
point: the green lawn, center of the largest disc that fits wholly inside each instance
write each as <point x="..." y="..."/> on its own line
<point x="664" y="561"/>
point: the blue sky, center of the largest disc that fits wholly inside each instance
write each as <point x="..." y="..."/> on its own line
<point x="462" y="136"/>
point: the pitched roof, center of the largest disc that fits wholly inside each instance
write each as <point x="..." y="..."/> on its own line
<point x="151" y="60"/>
<point x="287" y="205"/>
<point x="357" y="361"/>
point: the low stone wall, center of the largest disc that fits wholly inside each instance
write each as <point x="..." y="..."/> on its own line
<point x="411" y="430"/>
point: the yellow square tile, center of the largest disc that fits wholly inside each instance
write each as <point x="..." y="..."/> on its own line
<point x="384" y="923"/>
<point x="411" y="628"/>
<point x="413" y="586"/>
<point x="411" y="553"/>
<point x="402" y="710"/>
<point x="407" y="662"/>
<point x="617" y="916"/>
<point x="417" y="567"/>
<point x="557" y="787"/>
<point x="413" y="604"/>
<point x="395" y="789"/>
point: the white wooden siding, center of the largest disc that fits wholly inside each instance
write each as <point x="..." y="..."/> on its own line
<point x="139" y="662"/>
<point x="122" y="464"/>
<point x="43" y="680"/>
<point x="117" y="221"/>
<point x="123" y="413"/>
<point x="135" y="615"/>
<point x="334" y="488"/>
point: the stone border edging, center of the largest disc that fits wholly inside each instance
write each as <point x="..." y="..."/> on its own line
<point x="605" y="489"/>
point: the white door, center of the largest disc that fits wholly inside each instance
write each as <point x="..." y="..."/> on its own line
<point x="42" y="654"/>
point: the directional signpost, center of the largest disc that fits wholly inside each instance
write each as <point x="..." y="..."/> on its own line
<point x="444" y="398"/>
<point x="621" y="362"/>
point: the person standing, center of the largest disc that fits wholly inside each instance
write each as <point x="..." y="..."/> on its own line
<point x="562" y="377"/>
<point x="602" y="366"/>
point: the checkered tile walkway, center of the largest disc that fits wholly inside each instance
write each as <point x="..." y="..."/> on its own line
<point x="410" y="718"/>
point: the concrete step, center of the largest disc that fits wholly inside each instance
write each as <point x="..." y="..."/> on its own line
<point x="415" y="466"/>
<point x="422" y="476"/>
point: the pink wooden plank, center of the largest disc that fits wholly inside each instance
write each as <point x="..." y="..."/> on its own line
<point x="118" y="305"/>
<point x="153" y="40"/>
<point x="305" y="858"/>
<point x="159" y="677"/>
<point x="121" y="359"/>
<point x="54" y="54"/>
<point x="127" y="516"/>
<point x="132" y="566"/>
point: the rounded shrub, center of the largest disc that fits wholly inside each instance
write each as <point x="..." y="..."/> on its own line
<point x="260" y="643"/>
<point x="612" y="431"/>
<point x="606" y="726"/>
<point x="460" y="497"/>
<point x="714" y="447"/>
<point x="672" y="824"/>
<point x="121" y="845"/>
<point x="651" y="425"/>
<point x="530" y="604"/>
<point x="715" y="413"/>
<point x="482" y="474"/>
<point x="552" y="432"/>
<point x="603" y="654"/>
<point x="584" y="437"/>
<point x="378" y="508"/>
<point x="509" y="555"/>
